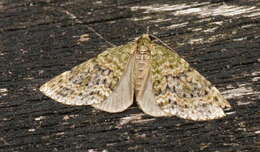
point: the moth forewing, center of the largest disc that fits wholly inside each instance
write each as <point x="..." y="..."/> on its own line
<point x="182" y="91"/>
<point x="91" y="82"/>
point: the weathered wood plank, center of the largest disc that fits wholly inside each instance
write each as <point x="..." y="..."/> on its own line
<point x="38" y="40"/>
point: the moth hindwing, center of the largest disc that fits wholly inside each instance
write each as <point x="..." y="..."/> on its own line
<point x="162" y="83"/>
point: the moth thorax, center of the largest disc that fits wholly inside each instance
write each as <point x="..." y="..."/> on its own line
<point x="143" y="49"/>
<point x="143" y="53"/>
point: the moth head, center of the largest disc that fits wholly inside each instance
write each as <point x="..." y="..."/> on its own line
<point x="144" y="39"/>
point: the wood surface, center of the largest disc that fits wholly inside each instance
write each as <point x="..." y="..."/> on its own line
<point x="40" y="39"/>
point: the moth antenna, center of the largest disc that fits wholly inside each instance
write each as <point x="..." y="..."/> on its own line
<point x="72" y="16"/>
<point x="148" y="30"/>
<point x="100" y="36"/>
<point x="155" y="37"/>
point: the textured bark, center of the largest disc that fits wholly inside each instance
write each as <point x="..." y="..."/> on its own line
<point x="39" y="39"/>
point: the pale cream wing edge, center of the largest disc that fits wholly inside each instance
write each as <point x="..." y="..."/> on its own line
<point x="122" y="97"/>
<point x="147" y="100"/>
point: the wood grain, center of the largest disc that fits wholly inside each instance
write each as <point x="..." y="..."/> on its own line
<point x="38" y="40"/>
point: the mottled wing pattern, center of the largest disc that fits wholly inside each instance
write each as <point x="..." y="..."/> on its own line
<point x="123" y="95"/>
<point x="93" y="81"/>
<point x="180" y="90"/>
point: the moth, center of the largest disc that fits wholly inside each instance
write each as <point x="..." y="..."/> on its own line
<point x="157" y="78"/>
